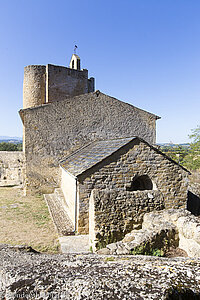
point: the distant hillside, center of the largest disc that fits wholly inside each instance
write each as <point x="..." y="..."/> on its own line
<point x="18" y="140"/>
<point x="173" y="145"/>
<point x="8" y="139"/>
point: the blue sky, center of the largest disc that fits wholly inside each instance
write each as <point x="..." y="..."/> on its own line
<point x="145" y="52"/>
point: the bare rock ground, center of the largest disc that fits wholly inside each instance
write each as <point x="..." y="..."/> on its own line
<point x="28" y="275"/>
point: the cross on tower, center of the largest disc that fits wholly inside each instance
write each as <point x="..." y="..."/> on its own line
<point x="75" y="47"/>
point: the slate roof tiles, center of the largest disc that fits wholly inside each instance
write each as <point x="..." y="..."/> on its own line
<point x="91" y="154"/>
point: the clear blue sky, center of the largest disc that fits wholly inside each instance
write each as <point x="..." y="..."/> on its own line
<point x="145" y="52"/>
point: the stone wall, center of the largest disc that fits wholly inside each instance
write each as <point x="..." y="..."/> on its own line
<point x="160" y="231"/>
<point x="117" y="172"/>
<point x="194" y="183"/>
<point x="64" y="82"/>
<point x="91" y="85"/>
<point x="55" y="130"/>
<point x="43" y="84"/>
<point x="193" y="203"/>
<point x="11" y="168"/>
<point x="68" y="186"/>
<point x="112" y="214"/>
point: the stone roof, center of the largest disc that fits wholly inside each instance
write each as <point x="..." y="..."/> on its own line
<point x="95" y="152"/>
<point x="91" y="154"/>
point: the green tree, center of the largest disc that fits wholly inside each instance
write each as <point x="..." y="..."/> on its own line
<point x="176" y="152"/>
<point x="10" y="147"/>
<point x="19" y="147"/>
<point x="192" y="159"/>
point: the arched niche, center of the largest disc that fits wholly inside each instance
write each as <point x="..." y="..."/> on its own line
<point x="141" y="183"/>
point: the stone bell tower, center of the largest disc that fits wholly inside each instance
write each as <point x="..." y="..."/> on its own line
<point x="50" y="83"/>
<point x="75" y="62"/>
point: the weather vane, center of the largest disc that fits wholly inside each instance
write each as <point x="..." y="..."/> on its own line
<point x="75" y="47"/>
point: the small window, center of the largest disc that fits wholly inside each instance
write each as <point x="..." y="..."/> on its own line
<point x="72" y="64"/>
<point x="78" y="64"/>
<point x="141" y="183"/>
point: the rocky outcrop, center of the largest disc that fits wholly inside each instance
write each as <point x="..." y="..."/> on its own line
<point x="26" y="275"/>
<point x="160" y="231"/>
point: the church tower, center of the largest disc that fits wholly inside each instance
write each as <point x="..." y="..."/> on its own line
<point x="50" y="83"/>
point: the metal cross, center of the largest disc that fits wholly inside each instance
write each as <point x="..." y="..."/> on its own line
<point x="75" y="47"/>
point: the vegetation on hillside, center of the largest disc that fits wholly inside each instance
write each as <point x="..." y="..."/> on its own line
<point x="189" y="157"/>
<point x="192" y="159"/>
<point x="10" y="146"/>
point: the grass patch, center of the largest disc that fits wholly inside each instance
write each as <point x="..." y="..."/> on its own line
<point x="159" y="248"/>
<point x="25" y="220"/>
<point x="142" y="250"/>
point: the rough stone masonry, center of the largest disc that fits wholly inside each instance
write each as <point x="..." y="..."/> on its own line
<point x="117" y="208"/>
<point x="54" y="130"/>
<point x="11" y="168"/>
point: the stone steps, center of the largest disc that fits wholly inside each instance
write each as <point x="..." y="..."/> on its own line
<point x="61" y="199"/>
<point x="58" y="208"/>
<point x="75" y="244"/>
<point x="59" y="214"/>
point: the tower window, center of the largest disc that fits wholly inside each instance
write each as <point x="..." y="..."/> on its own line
<point x="72" y="64"/>
<point x="141" y="183"/>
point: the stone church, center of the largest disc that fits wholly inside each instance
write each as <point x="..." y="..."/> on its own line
<point x="98" y="151"/>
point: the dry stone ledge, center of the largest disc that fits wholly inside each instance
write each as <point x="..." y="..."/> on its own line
<point x="188" y="227"/>
<point x="161" y="230"/>
<point x="89" y="276"/>
<point x="143" y="241"/>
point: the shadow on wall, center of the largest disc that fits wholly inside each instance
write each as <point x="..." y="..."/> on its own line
<point x="193" y="204"/>
<point x="182" y="294"/>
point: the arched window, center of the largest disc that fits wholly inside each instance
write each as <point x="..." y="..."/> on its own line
<point x="72" y="64"/>
<point x="141" y="183"/>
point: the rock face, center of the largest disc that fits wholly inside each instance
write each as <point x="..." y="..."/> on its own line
<point x="38" y="276"/>
<point x="160" y="231"/>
